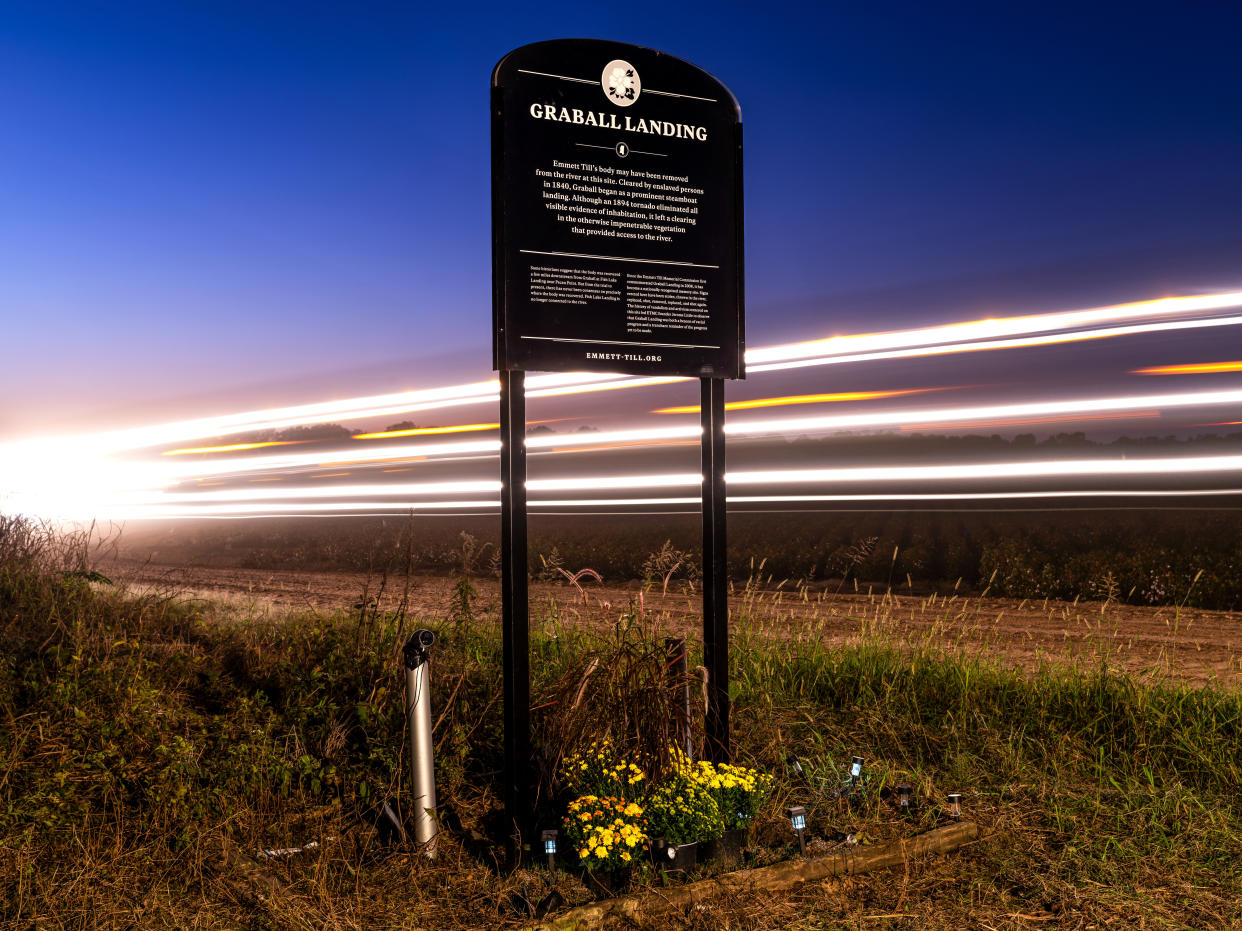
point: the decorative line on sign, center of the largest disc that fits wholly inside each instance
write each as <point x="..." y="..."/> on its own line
<point x="646" y="90"/>
<point x="615" y="258"/>
<point x="618" y="342"/>
<point x="610" y="148"/>
<point x="544" y="74"/>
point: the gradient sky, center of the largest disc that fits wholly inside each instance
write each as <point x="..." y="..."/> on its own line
<point x="207" y="205"/>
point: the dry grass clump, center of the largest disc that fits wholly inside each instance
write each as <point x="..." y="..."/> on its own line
<point x="151" y="750"/>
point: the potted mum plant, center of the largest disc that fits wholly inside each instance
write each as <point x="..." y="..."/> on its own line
<point x="681" y="813"/>
<point x="600" y="770"/>
<point x="739" y="792"/>
<point x="608" y="834"/>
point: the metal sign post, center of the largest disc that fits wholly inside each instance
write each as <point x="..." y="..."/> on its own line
<point x="616" y="247"/>
<point x="715" y="574"/>
<point x="515" y="612"/>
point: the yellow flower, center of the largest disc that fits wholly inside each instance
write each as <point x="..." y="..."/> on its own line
<point x="625" y="856"/>
<point x="601" y="852"/>
<point x="583" y="853"/>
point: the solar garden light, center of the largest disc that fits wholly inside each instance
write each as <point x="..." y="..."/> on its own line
<point x="549" y="847"/>
<point x="417" y="657"/>
<point x="856" y="768"/>
<point x="955" y="805"/>
<point x="904" y="798"/>
<point x="796" y="765"/>
<point x="797" y="818"/>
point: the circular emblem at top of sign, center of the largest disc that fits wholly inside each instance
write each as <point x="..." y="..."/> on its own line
<point x="621" y="82"/>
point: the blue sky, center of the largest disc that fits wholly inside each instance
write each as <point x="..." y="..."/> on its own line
<point x="207" y="204"/>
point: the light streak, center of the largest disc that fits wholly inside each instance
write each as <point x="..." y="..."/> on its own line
<point x="275" y="509"/>
<point x="591" y="483"/>
<point x="995" y="328"/>
<point x="1030" y="421"/>
<point x="995" y="344"/>
<point x="837" y="397"/>
<point x="1118" y="404"/>
<point x="66" y="473"/>
<point x="411" y="489"/>
<point x="953" y="471"/>
<point x="595" y="438"/>
<point x="427" y="431"/>
<point x="895" y="344"/>
<point x="1198" y="368"/>
<point x="974" y="471"/>
<point x="635" y="444"/>
<point x="236" y="447"/>
<point x="987" y="495"/>
<point x="291" y="461"/>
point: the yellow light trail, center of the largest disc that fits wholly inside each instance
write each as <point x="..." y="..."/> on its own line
<point x="427" y="431"/>
<point x="1198" y="368"/>
<point x="836" y="397"/>
<point x="230" y="449"/>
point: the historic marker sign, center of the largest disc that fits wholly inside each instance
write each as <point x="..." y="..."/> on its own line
<point x="617" y="199"/>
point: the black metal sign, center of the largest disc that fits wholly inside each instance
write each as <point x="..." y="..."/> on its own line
<point x="617" y="247"/>
<point x="617" y="199"/>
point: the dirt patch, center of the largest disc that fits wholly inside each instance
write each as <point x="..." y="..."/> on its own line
<point x="1191" y="645"/>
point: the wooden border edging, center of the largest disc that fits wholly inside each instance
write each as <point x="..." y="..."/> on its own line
<point x="773" y="878"/>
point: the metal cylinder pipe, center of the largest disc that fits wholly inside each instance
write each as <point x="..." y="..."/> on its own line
<point x="417" y="655"/>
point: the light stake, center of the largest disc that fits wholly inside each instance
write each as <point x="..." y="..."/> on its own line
<point x="549" y="847"/>
<point x="797" y="818"/>
<point x="796" y="765"/>
<point x="856" y="768"/>
<point x="955" y="805"/>
<point x="904" y="793"/>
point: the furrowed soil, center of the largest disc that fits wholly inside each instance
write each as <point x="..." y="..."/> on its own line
<point x="1194" y="646"/>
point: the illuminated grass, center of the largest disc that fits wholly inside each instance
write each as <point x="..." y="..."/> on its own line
<point x="145" y="738"/>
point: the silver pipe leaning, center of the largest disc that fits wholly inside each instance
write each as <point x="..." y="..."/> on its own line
<point x="417" y="658"/>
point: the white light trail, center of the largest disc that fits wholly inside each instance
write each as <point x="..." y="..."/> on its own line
<point x="949" y="337"/>
<point x="57" y="474"/>
<point x="647" y="435"/>
<point x="654" y="435"/>
<point x="276" y="509"/>
<point x="948" y="334"/>
<point x="591" y="483"/>
<point x="396" y="490"/>
<point x="244" y="501"/>
<point x="796" y="425"/>
<point x="960" y="471"/>
<point x="1025" y="342"/>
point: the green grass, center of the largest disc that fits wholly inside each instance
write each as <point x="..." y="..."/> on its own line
<point x="150" y="746"/>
